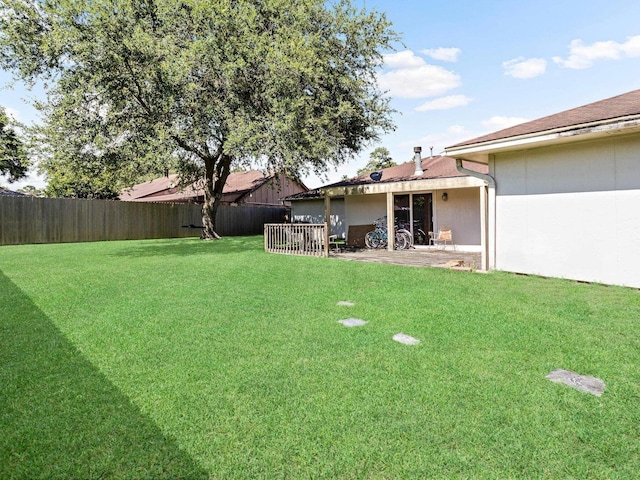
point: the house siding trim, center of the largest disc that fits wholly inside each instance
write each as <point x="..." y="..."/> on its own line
<point x="405" y="187"/>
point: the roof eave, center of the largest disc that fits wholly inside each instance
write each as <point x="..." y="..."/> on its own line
<point x="403" y="186"/>
<point x="481" y="151"/>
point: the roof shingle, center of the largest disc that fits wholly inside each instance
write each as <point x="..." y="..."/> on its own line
<point x="610" y="109"/>
<point x="432" y="167"/>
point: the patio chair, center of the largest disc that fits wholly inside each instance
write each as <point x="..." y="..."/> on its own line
<point x="441" y="238"/>
<point x="336" y="244"/>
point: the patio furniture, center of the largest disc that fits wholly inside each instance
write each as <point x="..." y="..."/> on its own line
<point x="441" y="238"/>
<point x="337" y="244"/>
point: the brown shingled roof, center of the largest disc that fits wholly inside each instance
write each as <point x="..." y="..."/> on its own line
<point x="166" y="189"/>
<point x="610" y="109"/>
<point x="432" y="167"/>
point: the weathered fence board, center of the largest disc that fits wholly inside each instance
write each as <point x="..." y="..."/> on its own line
<point x="56" y="220"/>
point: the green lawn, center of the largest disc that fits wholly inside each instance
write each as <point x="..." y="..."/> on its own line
<point x="189" y="359"/>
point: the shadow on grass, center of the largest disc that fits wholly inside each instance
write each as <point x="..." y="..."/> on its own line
<point x="191" y="247"/>
<point x="61" y="418"/>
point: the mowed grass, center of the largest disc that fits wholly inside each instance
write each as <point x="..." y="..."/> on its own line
<point x="190" y="359"/>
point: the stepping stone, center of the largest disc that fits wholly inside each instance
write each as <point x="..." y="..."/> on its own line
<point x="406" y="339"/>
<point x="584" y="383"/>
<point x="346" y="304"/>
<point x="352" y="322"/>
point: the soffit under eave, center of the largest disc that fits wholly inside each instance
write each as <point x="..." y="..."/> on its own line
<point x="405" y="187"/>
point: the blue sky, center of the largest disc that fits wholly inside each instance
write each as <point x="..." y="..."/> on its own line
<point x="469" y="67"/>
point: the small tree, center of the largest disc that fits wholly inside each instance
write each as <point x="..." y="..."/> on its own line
<point x="13" y="155"/>
<point x="378" y="159"/>
<point x="201" y="84"/>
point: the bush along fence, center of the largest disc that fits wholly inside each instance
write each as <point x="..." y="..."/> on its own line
<point x="56" y="220"/>
<point x="296" y="239"/>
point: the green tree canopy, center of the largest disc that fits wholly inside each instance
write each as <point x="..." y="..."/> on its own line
<point x="137" y="86"/>
<point x="378" y="159"/>
<point x="13" y="155"/>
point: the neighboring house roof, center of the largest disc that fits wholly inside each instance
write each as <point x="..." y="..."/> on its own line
<point x="166" y="189"/>
<point x="432" y="167"/>
<point x="10" y="193"/>
<point x="610" y="110"/>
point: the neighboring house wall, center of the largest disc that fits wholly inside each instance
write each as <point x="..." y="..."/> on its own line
<point x="571" y="211"/>
<point x="273" y="192"/>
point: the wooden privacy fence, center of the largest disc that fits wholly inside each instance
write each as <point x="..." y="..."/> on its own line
<point x="296" y="239"/>
<point x="55" y="220"/>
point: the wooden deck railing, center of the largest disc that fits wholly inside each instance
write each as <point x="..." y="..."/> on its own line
<point x="296" y="239"/>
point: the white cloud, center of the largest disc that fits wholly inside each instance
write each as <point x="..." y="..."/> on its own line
<point x="419" y="82"/>
<point x="445" y="103"/>
<point x="583" y="56"/>
<point x="521" y="68"/>
<point x="444" y="54"/>
<point x="499" y="123"/>
<point x="12" y="113"/>
<point x="404" y="59"/>
<point x="439" y="140"/>
<point x="409" y="76"/>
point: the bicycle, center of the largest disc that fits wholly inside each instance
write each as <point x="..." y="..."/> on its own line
<point x="379" y="237"/>
<point x="419" y="236"/>
<point x="401" y="228"/>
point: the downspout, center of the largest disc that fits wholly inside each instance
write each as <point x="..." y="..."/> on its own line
<point x="490" y="238"/>
<point x="491" y="182"/>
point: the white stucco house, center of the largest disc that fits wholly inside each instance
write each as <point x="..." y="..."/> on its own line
<point x="563" y="193"/>
<point x="426" y="194"/>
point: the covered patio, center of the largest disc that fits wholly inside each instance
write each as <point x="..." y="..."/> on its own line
<point x="425" y="195"/>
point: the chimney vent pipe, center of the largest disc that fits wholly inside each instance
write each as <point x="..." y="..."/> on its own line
<point x="417" y="158"/>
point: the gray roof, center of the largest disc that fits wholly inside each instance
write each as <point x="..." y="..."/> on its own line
<point x="10" y="193"/>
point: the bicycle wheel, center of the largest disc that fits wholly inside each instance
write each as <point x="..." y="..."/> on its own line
<point x="400" y="242"/>
<point x="371" y="240"/>
<point x="407" y="235"/>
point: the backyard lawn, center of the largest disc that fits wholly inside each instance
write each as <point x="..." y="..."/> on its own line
<point x="189" y="359"/>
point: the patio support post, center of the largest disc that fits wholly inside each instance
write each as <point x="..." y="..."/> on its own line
<point x="488" y="226"/>
<point x="327" y="222"/>
<point x="390" y="222"/>
<point x="483" y="228"/>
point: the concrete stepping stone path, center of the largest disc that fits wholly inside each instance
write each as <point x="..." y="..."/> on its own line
<point x="346" y="304"/>
<point x="405" y="339"/>
<point x="584" y="383"/>
<point x="353" y="322"/>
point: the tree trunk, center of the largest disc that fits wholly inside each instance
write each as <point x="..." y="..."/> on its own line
<point x="217" y="171"/>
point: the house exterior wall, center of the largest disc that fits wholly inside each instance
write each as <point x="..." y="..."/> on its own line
<point x="365" y="209"/>
<point x="570" y="211"/>
<point x="461" y="212"/>
<point x="313" y="211"/>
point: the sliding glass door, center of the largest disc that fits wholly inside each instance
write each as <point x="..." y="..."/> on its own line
<point x="414" y="212"/>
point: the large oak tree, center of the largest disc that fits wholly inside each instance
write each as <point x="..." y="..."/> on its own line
<point x="289" y="85"/>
